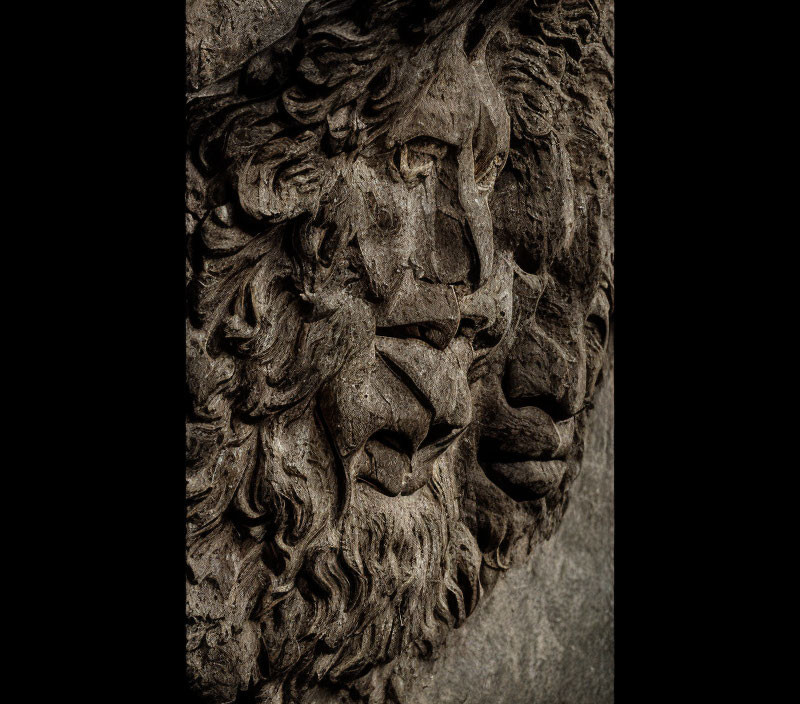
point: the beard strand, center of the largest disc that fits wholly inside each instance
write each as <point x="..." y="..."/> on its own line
<point x="288" y="589"/>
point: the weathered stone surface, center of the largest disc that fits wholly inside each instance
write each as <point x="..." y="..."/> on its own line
<point x="399" y="288"/>
<point x="546" y="633"/>
<point x="223" y="34"/>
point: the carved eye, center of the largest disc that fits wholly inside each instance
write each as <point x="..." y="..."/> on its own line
<point x="596" y="331"/>
<point x="597" y="321"/>
<point x="485" y="180"/>
<point x="416" y="159"/>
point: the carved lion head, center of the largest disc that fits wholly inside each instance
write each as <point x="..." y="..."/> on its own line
<point x="398" y="310"/>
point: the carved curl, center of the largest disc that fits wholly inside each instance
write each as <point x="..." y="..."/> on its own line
<point x="306" y="569"/>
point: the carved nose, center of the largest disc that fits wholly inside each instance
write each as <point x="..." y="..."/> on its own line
<point x="421" y="310"/>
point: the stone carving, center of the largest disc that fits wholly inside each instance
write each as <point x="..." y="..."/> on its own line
<point x="399" y="268"/>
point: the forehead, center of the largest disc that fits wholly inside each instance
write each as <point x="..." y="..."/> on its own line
<point x="446" y="103"/>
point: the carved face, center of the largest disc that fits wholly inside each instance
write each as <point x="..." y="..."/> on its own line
<point x="332" y="355"/>
<point x="389" y="353"/>
<point x="424" y="248"/>
<point x="532" y="402"/>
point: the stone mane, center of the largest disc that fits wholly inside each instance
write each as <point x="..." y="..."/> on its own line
<point x="399" y="303"/>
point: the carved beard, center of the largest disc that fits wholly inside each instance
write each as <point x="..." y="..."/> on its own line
<point x="298" y="574"/>
<point x="382" y="580"/>
<point x="327" y="595"/>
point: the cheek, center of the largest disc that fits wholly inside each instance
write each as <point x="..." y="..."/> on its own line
<point x="391" y="224"/>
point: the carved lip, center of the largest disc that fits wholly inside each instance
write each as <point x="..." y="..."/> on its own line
<point x="526" y="480"/>
<point x="526" y="476"/>
<point x="523" y="449"/>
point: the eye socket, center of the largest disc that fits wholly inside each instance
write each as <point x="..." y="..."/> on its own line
<point x="597" y="328"/>
<point x="485" y="180"/>
<point x="396" y="160"/>
<point x="417" y="158"/>
<point x="527" y="260"/>
<point x="529" y="254"/>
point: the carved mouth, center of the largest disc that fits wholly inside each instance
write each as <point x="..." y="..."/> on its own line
<point x="391" y="465"/>
<point x="523" y="448"/>
<point x="389" y="426"/>
<point x="526" y="476"/>
<point x="398" y="460"/>
<point x="388" y="466"/>
<point x="525" y="480"/>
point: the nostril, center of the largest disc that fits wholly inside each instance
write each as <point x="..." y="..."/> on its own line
<point x="480" y="334"/>
<point x="422" y="311"/>
<point x="486" y="339"/>
<point x="394" y="440"/>
<point x="436" y="336"/>
<point x="401" y="332"/>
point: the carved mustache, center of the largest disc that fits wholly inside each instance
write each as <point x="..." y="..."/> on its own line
<point x="390" y="417"/>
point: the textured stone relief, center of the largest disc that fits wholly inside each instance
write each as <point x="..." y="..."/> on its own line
<point x="399" y="288"/>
